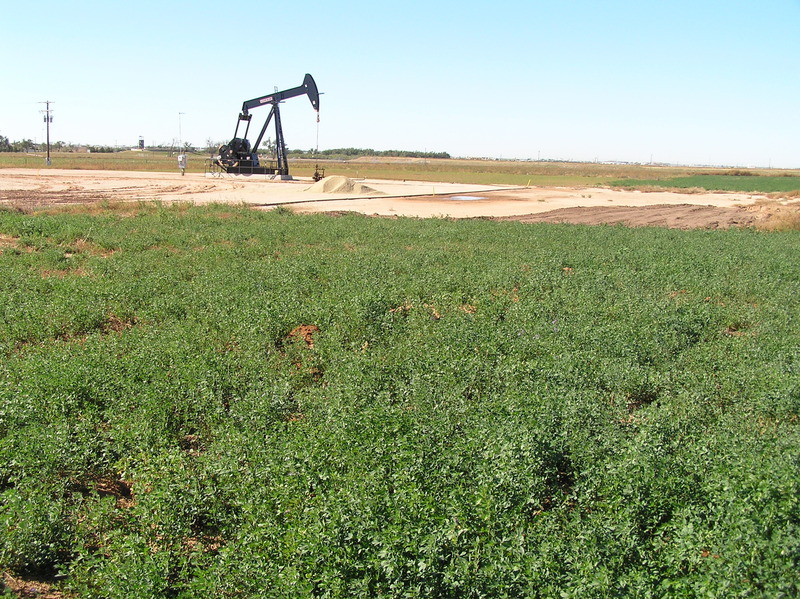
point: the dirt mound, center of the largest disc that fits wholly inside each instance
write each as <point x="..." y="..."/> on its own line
<point x="339" y="184"/>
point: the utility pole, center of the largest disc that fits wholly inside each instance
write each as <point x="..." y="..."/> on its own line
<point x="48" y="118"/>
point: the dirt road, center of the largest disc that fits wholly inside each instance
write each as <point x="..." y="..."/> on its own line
<point x="31" y="189"/>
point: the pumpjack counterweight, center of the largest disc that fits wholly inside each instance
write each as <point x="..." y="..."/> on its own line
<point x="240" y="157"/>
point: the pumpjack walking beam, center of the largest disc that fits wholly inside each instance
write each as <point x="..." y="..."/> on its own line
<point x="238" y="156"/>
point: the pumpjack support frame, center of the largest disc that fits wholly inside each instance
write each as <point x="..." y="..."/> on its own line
<point x="240" y="157"/>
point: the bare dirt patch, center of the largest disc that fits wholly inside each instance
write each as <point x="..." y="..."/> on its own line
<point x="681" y="216"/>
<point x="48" y="273"/>
<point x="30" y="189"/>
<point x="22" y="587"/>
<point x="29" y="199"/>
<point x="7" y="241"/>
<point x="305" y="332"/>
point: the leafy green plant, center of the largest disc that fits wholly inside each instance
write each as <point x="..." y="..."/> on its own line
<point x="211" y="401"/>
<point x="738" y="181"/>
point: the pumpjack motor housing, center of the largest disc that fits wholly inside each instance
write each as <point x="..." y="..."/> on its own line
<point x="239" y="156"/>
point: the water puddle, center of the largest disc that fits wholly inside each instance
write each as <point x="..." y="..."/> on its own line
<point x="467" y="198"/>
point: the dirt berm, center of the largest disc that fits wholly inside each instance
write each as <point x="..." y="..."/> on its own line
<point x="343" y="185"/>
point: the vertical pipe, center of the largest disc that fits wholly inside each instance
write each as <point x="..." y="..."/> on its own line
<point x="280" y="144"/>
<point x="47" y="118"/>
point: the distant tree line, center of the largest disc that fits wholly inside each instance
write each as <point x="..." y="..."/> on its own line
<point x="28" y="145"/>
<point x="357" y="152"/>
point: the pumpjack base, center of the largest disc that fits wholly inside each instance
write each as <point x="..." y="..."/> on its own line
<point x="249" y="170"/>
<point x="215" y="169"/>
<point x="269" y="173"/>
<point x="267" y="177"/>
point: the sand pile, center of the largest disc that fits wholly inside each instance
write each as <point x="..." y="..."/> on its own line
<point x="339" y="184"/>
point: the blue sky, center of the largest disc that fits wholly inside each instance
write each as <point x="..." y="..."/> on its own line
<point x="691" y="82"/>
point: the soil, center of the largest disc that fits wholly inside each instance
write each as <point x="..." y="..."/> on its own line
<point x="305" y="332"/>
<point x="29" y="189"/>
<point x="339" y="184"/>
<point x="22" y="587"/>
<point x="680" y="216"/>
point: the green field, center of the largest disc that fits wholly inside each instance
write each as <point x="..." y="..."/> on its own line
<point x="472" y="409"/>
<point x="780" y="184"/>
<point x="117" y="161"/>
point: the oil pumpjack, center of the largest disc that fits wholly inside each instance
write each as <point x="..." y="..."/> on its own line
<point x="239" y="157"/>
